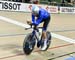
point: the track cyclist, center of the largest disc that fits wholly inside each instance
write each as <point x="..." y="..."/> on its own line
<point x="40" y="15"/>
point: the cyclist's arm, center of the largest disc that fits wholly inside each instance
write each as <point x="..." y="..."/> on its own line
<point x="33" y="18"/>
<point x="38" y="20"/>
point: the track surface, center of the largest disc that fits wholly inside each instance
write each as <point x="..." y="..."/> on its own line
<point x="12" y="37"/>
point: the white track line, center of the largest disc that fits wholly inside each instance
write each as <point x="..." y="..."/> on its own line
<point x="26" y="26"/>
<point x="13" y="22"/>
<point x="63" y="38"/>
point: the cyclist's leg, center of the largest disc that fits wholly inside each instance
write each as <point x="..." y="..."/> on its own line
<point x="45" y="26"/>
<point x="44" y="37"/>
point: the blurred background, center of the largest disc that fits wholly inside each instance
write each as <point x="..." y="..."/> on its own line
<point x="67" y="3"/>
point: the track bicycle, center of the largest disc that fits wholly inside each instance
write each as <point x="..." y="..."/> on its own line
<point x="32" y="38"/>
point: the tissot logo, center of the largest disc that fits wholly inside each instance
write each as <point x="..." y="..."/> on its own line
<point x="10" y="6"/>
<point x="68" y="9"/>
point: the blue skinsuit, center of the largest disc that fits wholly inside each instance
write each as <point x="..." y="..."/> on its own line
<point x="43" y="15"/>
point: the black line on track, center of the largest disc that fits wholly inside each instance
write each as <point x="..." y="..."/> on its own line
<point x="61" y="56"/>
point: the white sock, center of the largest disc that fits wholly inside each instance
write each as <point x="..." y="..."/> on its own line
<point x="45" y="45"/>
<point x="45" y="41"/>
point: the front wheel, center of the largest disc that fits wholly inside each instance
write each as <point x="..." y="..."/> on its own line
<point x="28" y="44"/>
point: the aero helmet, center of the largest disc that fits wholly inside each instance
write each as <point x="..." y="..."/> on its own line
<point x="35" y="9"/>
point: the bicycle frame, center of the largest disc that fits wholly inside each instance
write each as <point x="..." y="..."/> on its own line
<point x="36" y="33"/>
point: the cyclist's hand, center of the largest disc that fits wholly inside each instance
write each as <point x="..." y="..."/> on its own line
<point x="29" y="22"/>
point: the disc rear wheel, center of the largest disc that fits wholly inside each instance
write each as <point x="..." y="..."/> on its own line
<point x="48" y="39"/>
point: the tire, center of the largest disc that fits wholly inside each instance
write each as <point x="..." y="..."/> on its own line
<point x="29" y="41"/>
<point x="49" y="39"/>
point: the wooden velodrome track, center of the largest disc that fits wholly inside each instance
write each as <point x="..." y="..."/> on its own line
<point x="12" y="37"/>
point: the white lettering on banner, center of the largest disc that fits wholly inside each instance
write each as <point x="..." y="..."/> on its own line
<point x="16" y="6"/>
<point x="10" y="6"/>
<point x="50" y="9"/>
<point x="67" y="10"/>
